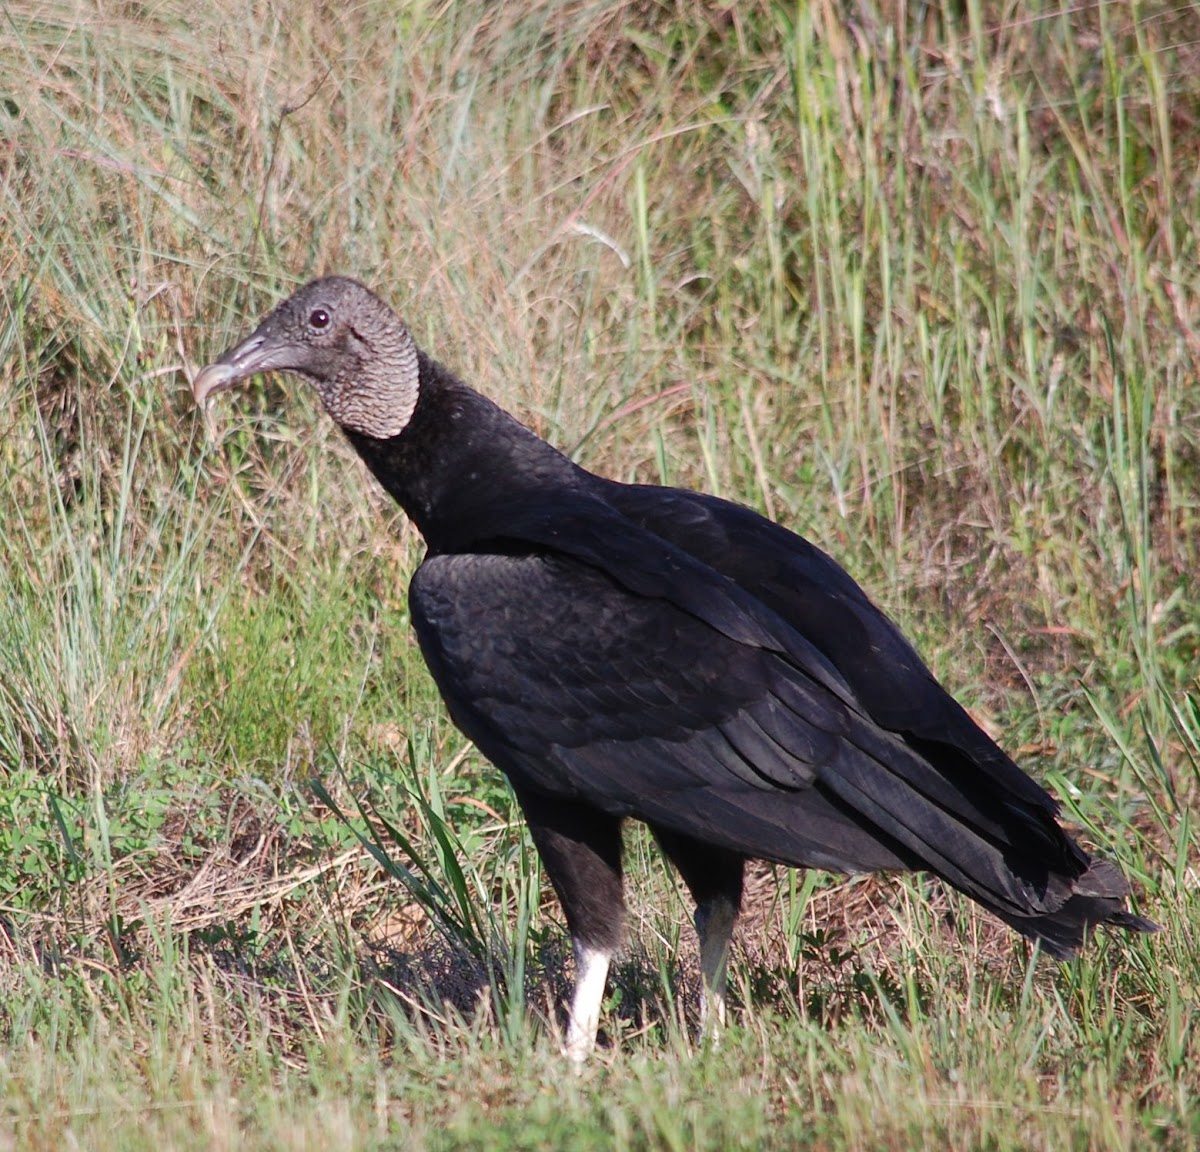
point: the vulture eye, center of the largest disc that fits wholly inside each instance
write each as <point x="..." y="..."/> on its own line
<point x="319" y="319"/>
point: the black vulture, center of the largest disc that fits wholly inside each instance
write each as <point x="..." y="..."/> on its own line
<point x="629" y="650"/>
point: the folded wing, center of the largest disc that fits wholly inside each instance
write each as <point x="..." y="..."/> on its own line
<point x="641" y="680"/>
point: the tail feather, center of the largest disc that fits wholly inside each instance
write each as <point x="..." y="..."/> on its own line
<point x="1098" y="897"/>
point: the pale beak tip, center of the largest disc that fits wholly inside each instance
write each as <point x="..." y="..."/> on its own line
<point x="212" y="379"/>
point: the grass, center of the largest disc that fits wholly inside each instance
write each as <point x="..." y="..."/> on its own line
<point x="920" y="286"/>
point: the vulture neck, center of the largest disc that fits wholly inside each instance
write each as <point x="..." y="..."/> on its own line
<point x="461" y="462"/>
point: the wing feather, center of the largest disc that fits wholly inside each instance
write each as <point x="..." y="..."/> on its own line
<point x="633" y="703"/>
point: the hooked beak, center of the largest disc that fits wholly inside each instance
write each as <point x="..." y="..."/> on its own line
<point x="247" y="359"/>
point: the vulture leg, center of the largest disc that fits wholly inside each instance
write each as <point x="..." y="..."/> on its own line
<point x="714" y="878"/>
<point x="591" y="974"/>
<point x="580" y="849"/>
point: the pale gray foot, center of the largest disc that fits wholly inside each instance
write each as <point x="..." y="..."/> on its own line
<point x="591" y="974"/>
<point x="714" y="925"/>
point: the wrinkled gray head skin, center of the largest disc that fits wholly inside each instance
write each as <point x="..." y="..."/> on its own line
<point x="345" y="340"/>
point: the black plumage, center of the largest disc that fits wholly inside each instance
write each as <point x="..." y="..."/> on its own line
<point x="638" y="651"/>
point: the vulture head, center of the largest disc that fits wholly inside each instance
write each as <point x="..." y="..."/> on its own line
<point x="347" y="342"/>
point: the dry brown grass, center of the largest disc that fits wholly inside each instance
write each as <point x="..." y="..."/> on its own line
<point x="920" y="285"/>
